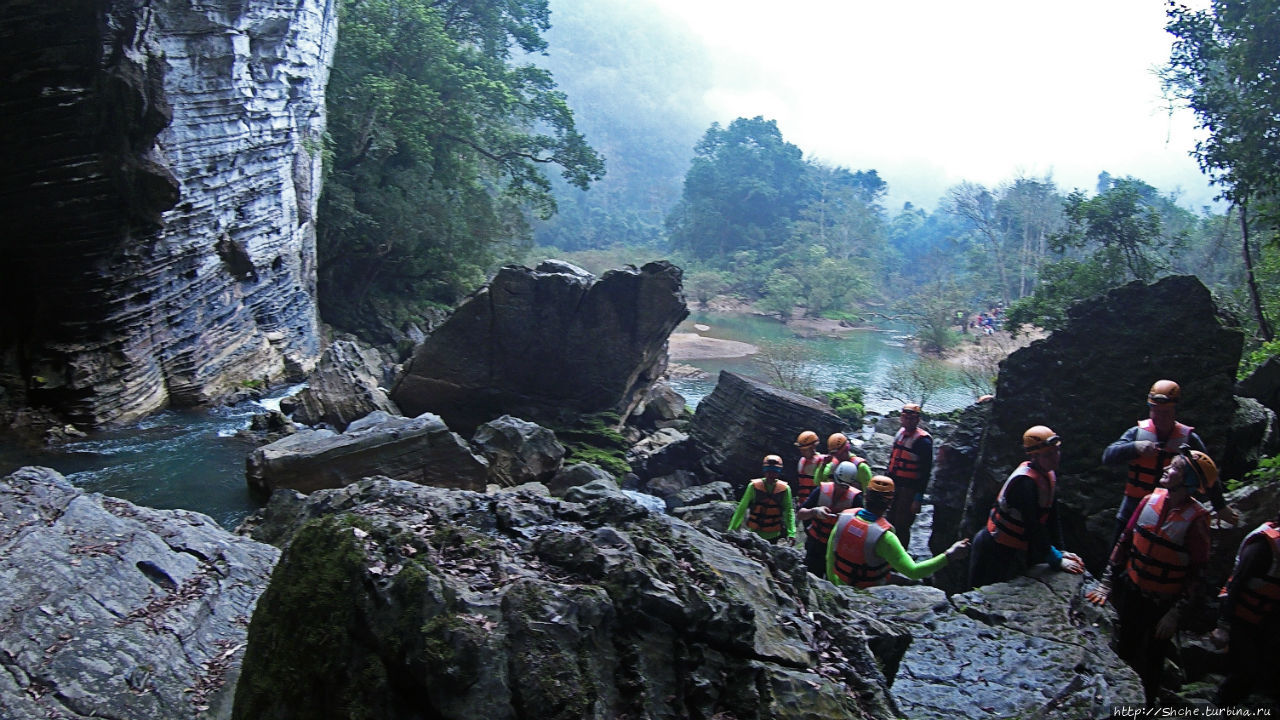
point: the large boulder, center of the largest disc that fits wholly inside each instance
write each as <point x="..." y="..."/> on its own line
<point x="742" y="420"/>
<point x="420" y="449"/>
<point x="1089" y="380"/>
<point x="518" y="451"/>
<point x="114" y="610"/>
<point x="439" y="603"/>
<point x="953" y="468"/>
<point x="545" y="343"/>
<point x="1263" y="384"/>
<point x="344" y="387"/>
<point x="1251" y="436"/>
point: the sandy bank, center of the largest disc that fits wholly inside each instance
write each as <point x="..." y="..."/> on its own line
<point x="692" y="346"/>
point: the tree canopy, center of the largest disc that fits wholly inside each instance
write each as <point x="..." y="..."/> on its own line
<point x="437" y="144"/>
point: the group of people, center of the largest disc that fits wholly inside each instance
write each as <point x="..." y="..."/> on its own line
<point x="858" y="522"/>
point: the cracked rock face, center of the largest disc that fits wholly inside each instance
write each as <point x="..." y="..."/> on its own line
<point x="162" y="171"/>
<point x="1031" y="647"/>
<point x="108" y="609"/>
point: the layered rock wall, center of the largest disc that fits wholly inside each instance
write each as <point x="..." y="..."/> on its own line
<point x="159" y="194"/>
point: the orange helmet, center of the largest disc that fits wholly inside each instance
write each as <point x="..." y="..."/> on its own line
<point x="1039" y="438"/>
<point x="807" y="438"/>
<point x="1164" y="391"/>
<point x="772" y="463"/>
<point x="911" y="408"/>
<point x="881" y="484"/>
<point x="836" y="441"/>
<point x="1202" y="469"/>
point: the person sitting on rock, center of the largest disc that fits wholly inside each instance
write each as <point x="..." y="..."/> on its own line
<point x="824" y="505"/>
<point x="810" y="461"/>
<point x="1249" y="623"/>
<point x="766" y="505"/>
<point x="1022" y="527"/>
<point x="1158" y="559"/>
<point x="1149" y="446"/>
<point x="910" y="463"/>
<point x="863" y="545"/>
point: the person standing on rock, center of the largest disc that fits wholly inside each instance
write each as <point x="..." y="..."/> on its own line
<point x="810" y="461"/>
<point x="1149" y="446"/>
<point x="824" y="505"/>
<point x="863" y="545"/>
<point x="1249" y="623"/>
<point x="766" y="505"/>
<point x="910" y="464"/>
<point x="839" y="450"/>
<point x="1158" y="560"/>
<point x="1022" y="528"/>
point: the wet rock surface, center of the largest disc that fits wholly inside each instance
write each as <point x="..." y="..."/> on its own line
<point x="1032" y="647"/>
<point x="111" y="610"/>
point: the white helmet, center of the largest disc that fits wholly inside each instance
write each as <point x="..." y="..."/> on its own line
<point x="846" y="472"/>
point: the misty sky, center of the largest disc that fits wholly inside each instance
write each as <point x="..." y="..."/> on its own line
<point x="932" y="93"/>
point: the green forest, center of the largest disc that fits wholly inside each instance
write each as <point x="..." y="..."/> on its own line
<point x="467" y="134"/>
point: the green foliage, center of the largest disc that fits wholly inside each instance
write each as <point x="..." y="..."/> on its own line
<point x="1268" y="471"/>
<point x="1253" y="359"/>
<point x="744" y="189"/>
<point x="1122" y="228"/>
<point x="438" y="140"/>
<point x="847" y="403"/>
<point x="593" y="439"/>
<point x="1062" y="284"/>
<point x="704" y="285"/>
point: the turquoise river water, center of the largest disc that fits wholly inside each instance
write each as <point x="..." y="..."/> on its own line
<point x="194" y="459"/>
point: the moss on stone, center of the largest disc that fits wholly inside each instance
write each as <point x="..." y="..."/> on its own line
<point x="593" y="439"/>
<point x="303" y="628"/>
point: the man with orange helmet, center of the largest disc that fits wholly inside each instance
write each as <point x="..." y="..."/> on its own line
<point x="766" y="505"/>
<point x="1149" y="446"/>
<point x="910" y="463"/>
<point x="863" y="546"/>
<point x="1022" y="527"/>
<point x="810" y="461"/>
<point x="824" y="505"/>
<point x="1249" y="622"/>
<point x="1158" y="560"/>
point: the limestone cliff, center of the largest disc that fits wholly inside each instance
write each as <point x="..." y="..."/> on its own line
<point x="162" y="167"/>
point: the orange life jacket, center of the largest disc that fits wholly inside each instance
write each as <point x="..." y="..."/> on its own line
<point x="1144" y="473"/>
<point x="819" y="527"/>
<point x="1260" y="596"/>
<point x="1005" y="522"/>
<point x="765" y="514"/>
<point x="856" y="562"/>
<point x="804" y="475"/>
<point x="904" y="464"/>
<point x="1159" y="558"/>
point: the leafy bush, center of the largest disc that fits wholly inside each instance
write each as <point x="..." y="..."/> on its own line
<point x="847" y="403"/>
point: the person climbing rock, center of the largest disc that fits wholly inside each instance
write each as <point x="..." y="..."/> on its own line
<point x="823" y="506"/>
<point x="810" y="460"/>
<point x="1249" y="617"/>
<point x="1022" y="527"/>
<point x="864" y="546"/>
<point x="1149" y="446"/>
<point x="766" y="505"/>
<point x="1158" y="561"/>
<point x="910" y="463"/>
